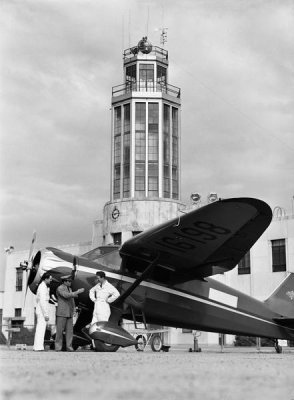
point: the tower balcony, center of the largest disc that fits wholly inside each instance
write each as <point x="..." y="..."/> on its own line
<point x="134" y="88"/>
<point x="154" y="52"/>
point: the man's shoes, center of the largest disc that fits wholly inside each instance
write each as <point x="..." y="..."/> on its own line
<point x="69" y="349"/>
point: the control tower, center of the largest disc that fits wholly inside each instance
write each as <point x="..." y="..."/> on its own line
<point x="145" y="147"/>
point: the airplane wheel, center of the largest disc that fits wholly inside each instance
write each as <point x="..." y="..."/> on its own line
<point x="105" y="347"/>
<point x="156" y="343"/>
<point x="279" y="349"/>
<point x="140" y="346"/>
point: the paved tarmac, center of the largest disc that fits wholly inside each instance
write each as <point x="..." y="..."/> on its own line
<point x="234" y="374"/>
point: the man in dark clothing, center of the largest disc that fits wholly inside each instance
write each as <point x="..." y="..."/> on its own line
<point x="64" y="313"/>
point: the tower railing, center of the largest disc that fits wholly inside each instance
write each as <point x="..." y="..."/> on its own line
<point x="146" y="86"/>
<point x="161" y="54"/>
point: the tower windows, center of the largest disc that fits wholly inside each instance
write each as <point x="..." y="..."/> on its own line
<point x="146" y="77"/>
<point x="161" y="75"/>
<point x="153" y="179"/>
<point x="175" y="154"/>
<point x="117" y="121"/>
<point x="131" y="77"/>
<point x="153" y="145"/>
<point x="140" y="149"/>
<point x="126" y="152"/>
<point x="153" y="132"/>
<point x="140" y="179"/>
<point x="166" y="151"/>
<point x="175" y="180"/>
<point x="117" y="152"/>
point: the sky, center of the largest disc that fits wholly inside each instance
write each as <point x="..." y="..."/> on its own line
<point x="232" y="59"/>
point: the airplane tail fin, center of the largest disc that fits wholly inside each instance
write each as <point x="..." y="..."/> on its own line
<point x="281" y="300"/>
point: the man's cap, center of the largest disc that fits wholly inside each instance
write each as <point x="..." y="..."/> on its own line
<point x="66" y="278"/>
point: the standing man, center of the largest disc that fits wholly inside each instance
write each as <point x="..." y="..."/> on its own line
<point x="64" y="313"/>
<point x="42" y="311"/>
<point x="102" y="294"/>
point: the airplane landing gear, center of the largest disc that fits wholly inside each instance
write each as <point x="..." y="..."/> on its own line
<point x="278" y="348"/>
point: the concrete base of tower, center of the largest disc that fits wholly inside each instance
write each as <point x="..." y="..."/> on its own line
<point x="123" y="219"/>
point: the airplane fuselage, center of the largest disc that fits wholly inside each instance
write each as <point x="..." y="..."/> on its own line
<point x="206" y="305"/>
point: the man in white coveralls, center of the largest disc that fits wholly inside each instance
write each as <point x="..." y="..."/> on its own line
<point x="102" y="295"/>
<point x="42" y="311"/>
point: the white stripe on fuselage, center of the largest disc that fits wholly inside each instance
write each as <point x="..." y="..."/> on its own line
<point x="174" y="292"/>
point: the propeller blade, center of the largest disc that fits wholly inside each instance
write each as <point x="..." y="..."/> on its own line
<point x="27" y="265"/>
<point x="31" y="249"/>
<point x="26" y="291"/>
<point x="74" y="270"/>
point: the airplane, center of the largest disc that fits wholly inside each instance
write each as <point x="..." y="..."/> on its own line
<point x="164" y="277"/>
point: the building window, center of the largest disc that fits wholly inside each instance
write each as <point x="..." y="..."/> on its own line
<point x="117" y="120"/>
<point x="175" y="154"/>
<point x="153" y="120"/>
<point x="161" y="75"/>
<point x="175" y="182"/>
<point x="126" y="152"/>
<point x="117" y="152"/>
<point x="140" y="149"/>
<point x="135" y="233"/>
<point x="116" y="182"/>
<point x="153" y="179"/>
<point x="166" y="151"/>
<point x="279" y="255"/>
<point x="175" y="151"/>
<point x="175" y="121"/>
<point x="19" y="279"/>
<point x="244" y="265"/>
<point x="126" y="182"/>
<point x="1" y="318"/>
<point x="140" y="128"/>
<point x="17" y="312"/>
<point x="116" y="238"/>
<point x="131" y="77"/>
<point x="140" y="179"/>
<point x="117" y="148"/>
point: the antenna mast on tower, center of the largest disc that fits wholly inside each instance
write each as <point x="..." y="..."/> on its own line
<point x="163" y="36"/>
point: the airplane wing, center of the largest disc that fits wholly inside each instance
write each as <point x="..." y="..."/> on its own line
<point x="201" y="243"/>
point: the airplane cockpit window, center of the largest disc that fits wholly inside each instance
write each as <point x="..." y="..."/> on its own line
<point x="106" y="256"/>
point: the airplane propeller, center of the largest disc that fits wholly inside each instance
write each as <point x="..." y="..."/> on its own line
<point x="27" y="264"/>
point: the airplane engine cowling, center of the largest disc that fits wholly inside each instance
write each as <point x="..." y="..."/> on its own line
<point x="111" y="333"/>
